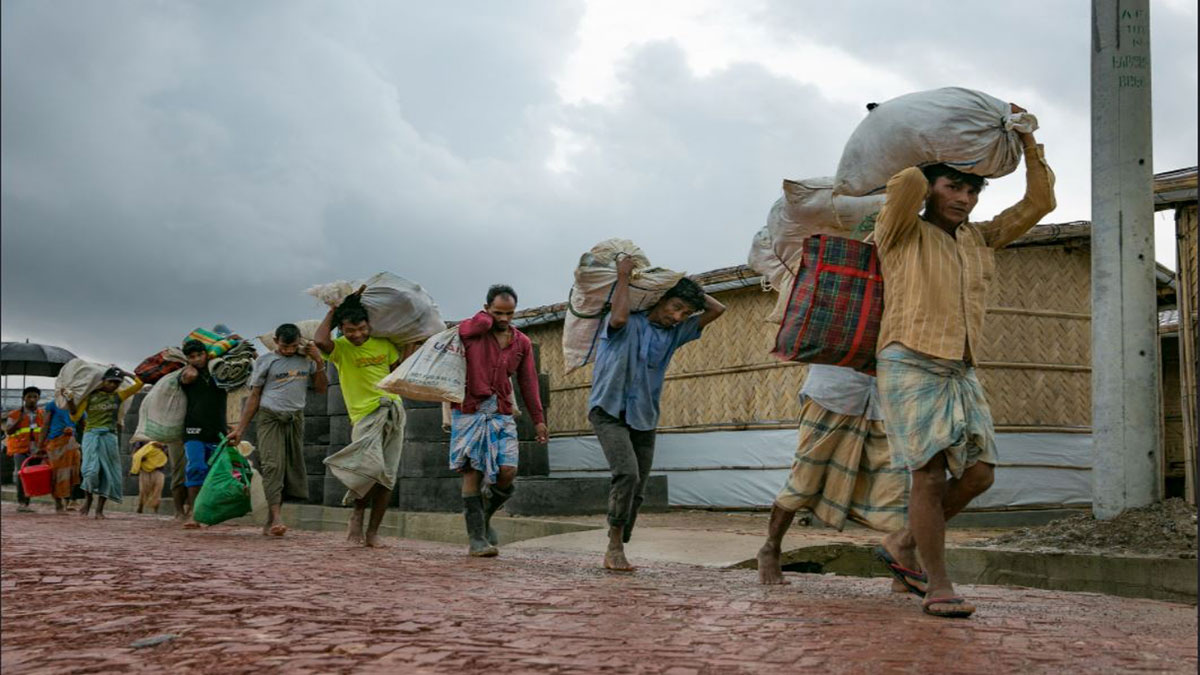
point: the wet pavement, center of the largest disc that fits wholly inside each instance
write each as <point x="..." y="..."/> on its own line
<point x="77" y="594"/>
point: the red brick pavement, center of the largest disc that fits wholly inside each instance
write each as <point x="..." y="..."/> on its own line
<point x="77" y="592"/>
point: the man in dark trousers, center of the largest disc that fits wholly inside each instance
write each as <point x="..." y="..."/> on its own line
<point x="635" y="350"/>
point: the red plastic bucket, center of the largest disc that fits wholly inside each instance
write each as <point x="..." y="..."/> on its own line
<point x="37" y="480"/>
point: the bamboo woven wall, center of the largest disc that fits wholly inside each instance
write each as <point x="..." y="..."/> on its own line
<point x="1034" y="358"/>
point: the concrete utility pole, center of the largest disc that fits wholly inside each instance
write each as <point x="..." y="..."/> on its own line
<point x="1125" y="404"/>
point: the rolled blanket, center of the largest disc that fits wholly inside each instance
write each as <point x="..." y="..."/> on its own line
<point x="233" y="369"/>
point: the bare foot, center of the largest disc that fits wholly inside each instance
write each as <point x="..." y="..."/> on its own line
<point x="180" y="516"/>
<point x="375" y="541"/>
<point x="769" y="571"/>
<point x="266" y="531"/>
<point x="354" y="530"/>
<point x="278" y="530"/>
<point x="614" y="561"/>
<point x="84" y="514"/>
<point x="99" y="516"/>
<point x="191" y="525"/>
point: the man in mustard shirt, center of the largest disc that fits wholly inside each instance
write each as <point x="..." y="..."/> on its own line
<point x="937" y="267"/>
<point x="369" y="465"/>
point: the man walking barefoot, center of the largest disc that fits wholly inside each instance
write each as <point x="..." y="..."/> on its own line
<point x="631" y="362"/>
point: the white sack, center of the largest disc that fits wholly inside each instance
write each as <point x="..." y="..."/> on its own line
<point x="595" y="279"/>
<point x="812" y="207"/>
<point x="435" y="372"/>
<point x="76" y="380"/>
<point x="308" y="330"/>
<point x="967" y="129"/>
<point x="161" y="416"/>
<point x="399" y="309"/>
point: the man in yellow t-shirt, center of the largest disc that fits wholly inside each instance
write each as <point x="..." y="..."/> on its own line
<point x="368" y="466"/>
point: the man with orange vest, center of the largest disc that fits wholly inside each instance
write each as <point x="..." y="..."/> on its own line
<point x="23" y="426"/>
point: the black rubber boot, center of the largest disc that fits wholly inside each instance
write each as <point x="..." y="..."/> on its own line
<point x="494" y="501"/>
<point x="473" y="514"/>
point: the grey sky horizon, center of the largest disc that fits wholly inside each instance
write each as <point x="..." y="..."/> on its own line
<point x="165" y="166"/>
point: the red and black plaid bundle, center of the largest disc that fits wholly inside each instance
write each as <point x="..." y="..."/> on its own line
<point x="834" y="307"/>
<point x="156" y="367"/>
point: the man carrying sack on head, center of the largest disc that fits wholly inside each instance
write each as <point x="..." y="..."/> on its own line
<point x="369" y="465"/>
<point x="279" y="384"/>
<point x="483" y="433"/>
<point x="938" y="267"/>
<point x="635" y="350"/>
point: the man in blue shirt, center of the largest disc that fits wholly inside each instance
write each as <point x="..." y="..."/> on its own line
<point x="635" y="350"/>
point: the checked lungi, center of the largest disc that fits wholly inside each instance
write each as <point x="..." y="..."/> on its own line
<point x="934" y="405"/>
<point x="483" y="440"/>
<point x="843" y="469"/>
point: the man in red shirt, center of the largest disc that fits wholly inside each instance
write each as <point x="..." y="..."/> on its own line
<point x="483" y="435"/>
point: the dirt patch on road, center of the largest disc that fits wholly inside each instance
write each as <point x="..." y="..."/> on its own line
<point x="1166" y="528"/>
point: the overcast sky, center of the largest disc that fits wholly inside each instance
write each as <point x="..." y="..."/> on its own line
<point x="167" y="165"/>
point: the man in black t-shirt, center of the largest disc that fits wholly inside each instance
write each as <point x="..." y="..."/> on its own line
<point x="203" y="423"/>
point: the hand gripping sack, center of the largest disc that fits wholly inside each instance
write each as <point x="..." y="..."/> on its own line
<point x="161" y="416"/>
<point x="226" y="491"/>
<point x="308" y="330"/>
<point x="967" y="129"/>
<point x="76" y="380"/>
<point x="834" y="307"/>
<point x="435" y="372"/>
<point x="591" y="295"/>
<point x="399" y="309"/>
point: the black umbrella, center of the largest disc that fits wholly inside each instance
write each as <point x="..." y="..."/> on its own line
<point x="32" y="359"/>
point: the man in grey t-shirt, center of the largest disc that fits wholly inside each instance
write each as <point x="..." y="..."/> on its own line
<point x="279" y="387"/>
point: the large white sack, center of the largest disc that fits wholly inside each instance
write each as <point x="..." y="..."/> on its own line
<point x="777" y="273"/>
<point x="968" y="129"/>
<point x="161" y="416"/>
<point x="308" y="330"/>
<point x="76" y="380"/>
<point x="595" y="279"/>
<point x="435" y="372"/>
<point x="399" y="309"/>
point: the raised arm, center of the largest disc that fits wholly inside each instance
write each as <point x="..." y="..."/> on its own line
<point x="320" y="382"/>
<point x="620" y="296"/>
<point x="712" y="310"/>
<point x="1038" y="201"/>
<point x="897" y="221"/>
<point x="133" y="388"/>
<point x="324" y="335"/>
<point x="475" y="326"/>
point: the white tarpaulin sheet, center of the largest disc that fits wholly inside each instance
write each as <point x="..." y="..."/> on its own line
<point x="747" y="468"/>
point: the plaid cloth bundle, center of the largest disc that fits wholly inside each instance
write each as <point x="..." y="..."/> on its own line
<point x="835" y="306"/>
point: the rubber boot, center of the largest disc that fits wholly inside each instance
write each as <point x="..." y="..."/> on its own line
<point x="473" y="514"/>
<point x="495" y="500"/>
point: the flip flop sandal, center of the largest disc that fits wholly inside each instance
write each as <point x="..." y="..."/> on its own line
<point x="901" y="573"/>
<point x="959" y="608"/>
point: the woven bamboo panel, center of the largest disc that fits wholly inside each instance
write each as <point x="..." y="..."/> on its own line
<point x="1036" y="339"/>
<point x="1043" y="277"/>
<point x="1020" y="397"/>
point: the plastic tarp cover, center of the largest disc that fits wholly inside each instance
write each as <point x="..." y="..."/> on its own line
<point x="747" y="468"/>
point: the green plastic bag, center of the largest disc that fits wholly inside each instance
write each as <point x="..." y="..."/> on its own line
<point x="226" y="490"/>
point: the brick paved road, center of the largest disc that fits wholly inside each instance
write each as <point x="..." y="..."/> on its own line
<point x="76" y="593"/>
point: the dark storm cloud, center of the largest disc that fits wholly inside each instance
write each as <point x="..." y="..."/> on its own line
<point x="173" y="165"/>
